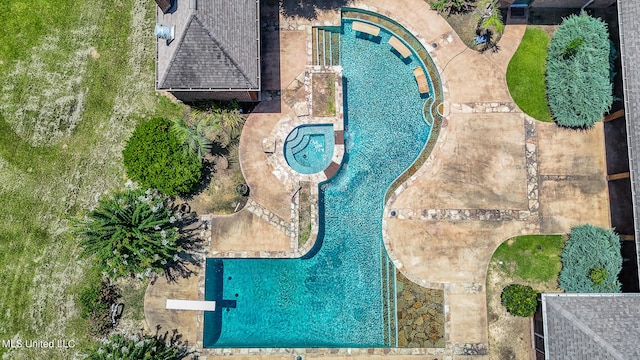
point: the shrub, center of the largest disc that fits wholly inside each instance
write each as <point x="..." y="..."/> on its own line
<point x="579" y="90"/>
<point x="598" y="275"/>
<point x="520" y="300"/>
<point x="613" y="57"/>
<point x="155" y="158"/>
<point x="591" y="261"/>
<point x="130" y="233"/>
<point x="139" y="347"/>
<point x="572" y="48"/>
<point x="452" y="6"/>
<point x="95" y="300"/>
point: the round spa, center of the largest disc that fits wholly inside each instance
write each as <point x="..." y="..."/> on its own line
<point x="309" y="148"/>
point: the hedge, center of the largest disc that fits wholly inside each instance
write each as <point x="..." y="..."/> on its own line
<point x="579" y="89"/>
<point x="591" y="261"/>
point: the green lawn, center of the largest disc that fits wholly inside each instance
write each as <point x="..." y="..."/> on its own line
<point x="77" y="76"/>
<point x="521" y="257"/>
<point x="526" y="74"/>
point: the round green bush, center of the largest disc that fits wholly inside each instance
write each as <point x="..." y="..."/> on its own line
<point x="591" y="261"/>
<point x="155" y="158"/>
<point x="520" y="300"/>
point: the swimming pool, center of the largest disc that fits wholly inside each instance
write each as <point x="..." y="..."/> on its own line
<point x="339" y="294"/>
<point x="308" y="148"/>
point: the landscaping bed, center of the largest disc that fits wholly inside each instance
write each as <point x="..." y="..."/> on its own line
<point x="323" y="95"/>
<point x="304" y="213"/>
<point x="465" y="24"/>
<point x="519" y="261"/>
<point x="218" y="195"/>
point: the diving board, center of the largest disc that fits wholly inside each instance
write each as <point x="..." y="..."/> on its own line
<point x="366" y="28"/>
<point x="399" y="47"/>
<point x="421" y="79"/>
<point x="198" y="305"/>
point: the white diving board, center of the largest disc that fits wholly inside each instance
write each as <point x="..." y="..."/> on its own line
<point x="173" y="304"/>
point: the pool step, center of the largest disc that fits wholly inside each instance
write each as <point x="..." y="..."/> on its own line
<point x="325" y="46"/>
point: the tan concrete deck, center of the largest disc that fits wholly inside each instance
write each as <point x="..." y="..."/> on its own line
<point x="290" y="49"/>
<point x="266" y="189"/>
<point x="483" y="161"/>
<point x="480" y="165"/>
<point x="572" y="169"/>
<point x="244" y="231"/>
<point x="155" y="311"/>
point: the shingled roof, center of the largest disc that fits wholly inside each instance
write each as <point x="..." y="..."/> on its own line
<point x="216" y="46"/>
<point x="629" y="26"/>
<point x="591" y="326"/>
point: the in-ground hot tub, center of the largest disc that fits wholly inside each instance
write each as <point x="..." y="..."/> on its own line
<point x="309" y="148"/>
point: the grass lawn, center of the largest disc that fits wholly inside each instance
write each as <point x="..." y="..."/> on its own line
<point x="526" y="74"/>
<point x="77" y="77"/>
<point x="531" y="257"/>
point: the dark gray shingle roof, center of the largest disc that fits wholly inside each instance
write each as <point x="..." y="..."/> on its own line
<point x="629" y="26"/>
<point x="592" y="326"/>
<point x="217" y="49"/>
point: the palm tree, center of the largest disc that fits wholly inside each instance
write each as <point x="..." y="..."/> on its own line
<point x="231" y="120"/>
<point x="130" y="233"/>
<point x="194" y="137"/>
<point x="490" y="19"/>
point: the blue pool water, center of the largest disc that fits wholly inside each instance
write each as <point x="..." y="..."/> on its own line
<point x="309" y="148"/>
<point x="335" y="295"/>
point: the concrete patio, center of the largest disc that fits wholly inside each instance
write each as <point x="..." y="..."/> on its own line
<point x="495" y="173"/>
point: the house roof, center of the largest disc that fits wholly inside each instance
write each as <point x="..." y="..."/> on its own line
<point x="216" y="46"/>
<point x="591" y="326"/>
<point x="629" y="27"/>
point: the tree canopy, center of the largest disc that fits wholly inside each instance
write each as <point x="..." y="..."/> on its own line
<point x="156" y="158"/>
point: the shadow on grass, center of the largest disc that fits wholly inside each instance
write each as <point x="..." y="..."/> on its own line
<point x="188" y="262"/>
